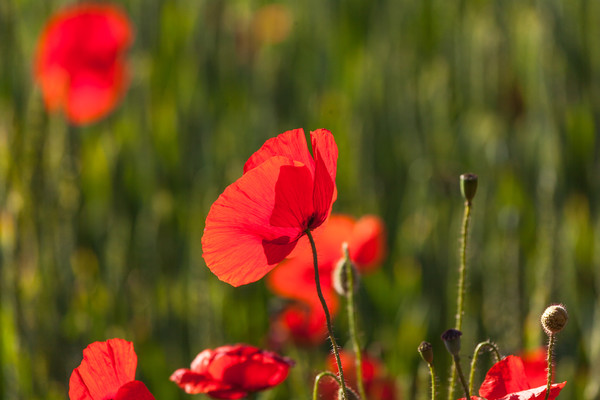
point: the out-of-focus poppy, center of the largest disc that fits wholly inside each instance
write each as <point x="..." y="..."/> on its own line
<point x="258" y="220"/>
<point x="378" y="386"/>
<point x="107" y="372"/>
<point x="232" y="372"/>
<point x="295" y="278"/>
<point x="79" y="62"/>
<point x="507" y="380"/>
<point x="299" y="323"/>
<point x="536" y="364"/>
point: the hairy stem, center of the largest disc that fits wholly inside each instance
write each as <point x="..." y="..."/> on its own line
<point x="478" y="350"/>
<point x="318" y="379"/>
<point x="336" y="352"/>
<point x="551" y="342"/>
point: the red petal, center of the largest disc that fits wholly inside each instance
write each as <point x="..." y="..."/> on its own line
<point x="505" y="377"/>
<point x="367" y="246"/>
<point x="325" y="193"/>
<point x="106" y="366"/>
<point x="240" y="243"/>
<point x="134" y="390"/>
<point x="291" y="144"/>
<point x="82" y="47"/>
<point x="536" y="364"/>
<point x="538" y="393"/>
<point x="196" y="382"/>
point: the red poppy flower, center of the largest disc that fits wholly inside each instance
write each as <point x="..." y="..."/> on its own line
<point x="300" y="323"/>
<point x="232" y="372"/>
<point x="284" y="191"/>
<point x="507" y="380"/>
<point x="535" y="363"/>
<point x="79" y="60"/>
<point x="378" y="386"/>
<point x="295" y="278"/>
<point x="107" y="372"/>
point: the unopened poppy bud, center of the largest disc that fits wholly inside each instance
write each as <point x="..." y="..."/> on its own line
<point x="426" y="351"/>
<point x="554" y="318"/>
<point x="451" y="339"/>
<point x="352" y="395"/>
<point x="468" y="186"/>
<point x="340" y="276"/>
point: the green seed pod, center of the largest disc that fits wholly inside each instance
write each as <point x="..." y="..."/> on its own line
<point x="451" y="339"/>
<point x="468" y="186"/>
<point x="426" y="351"/>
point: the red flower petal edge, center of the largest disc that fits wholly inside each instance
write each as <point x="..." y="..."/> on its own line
<point x="106" y="369"/>
<point x="231" y="372"/>
<point x="80" y="63"/>
<point x="257" y="220"/>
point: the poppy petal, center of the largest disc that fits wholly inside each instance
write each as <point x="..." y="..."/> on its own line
<point x="325" y="192"/>
<point x="538" y="393"/>
<point x="134" y="390"/>
<point x="291" y="144"/>
<point x="240" y="244"/>
<point x="536" y="363"/>
<point x="106" y="366"/>
<point x="193" y="382"/>
<point x="367" y="244"/>
<point x="505" y="377"/>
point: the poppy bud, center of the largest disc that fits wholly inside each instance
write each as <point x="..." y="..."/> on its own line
<point x="340" y="276"/>
<point x="451" y="339"/>
<point x="468" y="186"/>
<point x="554" y="318"/>
<point x="426" y="351"/>
<point x="352" y="395"/>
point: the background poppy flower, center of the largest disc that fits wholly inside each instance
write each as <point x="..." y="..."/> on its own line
<point x="79" y="60"/>
<point x="507" y="380"/>
<point x="107" y="372"/>
<point x="232" y="372"/>
<point x="378" y="385"/>
<point x="303" y="324"/>
<point x="535" y="363"/>
<point x="284" y="191"/>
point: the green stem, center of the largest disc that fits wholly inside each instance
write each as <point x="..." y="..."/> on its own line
<point x="551" y="342"/>
<point x="461" y="376"/>
<point x="327" y="316"/>
<point x="432" y="373"/>
<point x="462" y="272"/>
<point x="318" y="379"/>
<point x="352" y="323"/>
<point x="478" y="350"/>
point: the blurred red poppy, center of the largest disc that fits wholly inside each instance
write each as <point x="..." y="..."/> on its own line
<point x="107" y="372"/>
<point x="378" y="386"/>
<point x="302" y="324"/>
<point x="295" y="278"/>
<point x="232" y="372"/>
<point x="507" y="380"/>
<point x="80" y="63"/>
<point x="535" y="363"/>
<point x="284" y="191"/>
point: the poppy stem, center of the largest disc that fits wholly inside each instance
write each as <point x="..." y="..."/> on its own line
<point x="336" y="352"/>
<point x="462" y="272"/>
<point x="478" y="350"/>
<point x="318" y="380"/>
<point x="461" y="376"/>
<point x="352" y="322"/>
<point x="432" y="373"/>
<point x="551" y="341"/>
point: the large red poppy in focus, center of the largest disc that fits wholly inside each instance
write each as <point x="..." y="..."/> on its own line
<point x="107" y="372"/>
<point x="284" y="191"/>
<point x="508" y="380"/>
<point x="232" y="372"/>
<point x="80" y="63"/>
<point x="378" y="386"/>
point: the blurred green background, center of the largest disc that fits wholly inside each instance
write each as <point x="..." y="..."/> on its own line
<point x="100" y="226"/>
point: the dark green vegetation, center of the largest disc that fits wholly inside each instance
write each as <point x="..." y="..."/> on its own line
<point x="100" y="226"/>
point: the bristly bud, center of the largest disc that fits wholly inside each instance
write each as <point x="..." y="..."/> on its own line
<point x="426" y="351"/>
<point x="352" y="395"/>
<point x="340" y="276"/>
<point x="468" y="186"/>
<point x="451" y="339"/>
<point x="554" y="319"/>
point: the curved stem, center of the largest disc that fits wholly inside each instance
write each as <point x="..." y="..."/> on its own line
<point x="327" y="315"/>
<point x="478" y="350"/>
<point x="551" y="341"/>
<point x="318" y="379"/>
<point x="352" y="324"/>
<point x="462" y="272"/>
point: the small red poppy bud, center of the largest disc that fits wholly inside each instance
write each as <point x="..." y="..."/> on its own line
<point x="426" y="351"/>
<point x="451" y="339"/>
<point x="468" y="186"/>
<point x="554" y="318"/>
